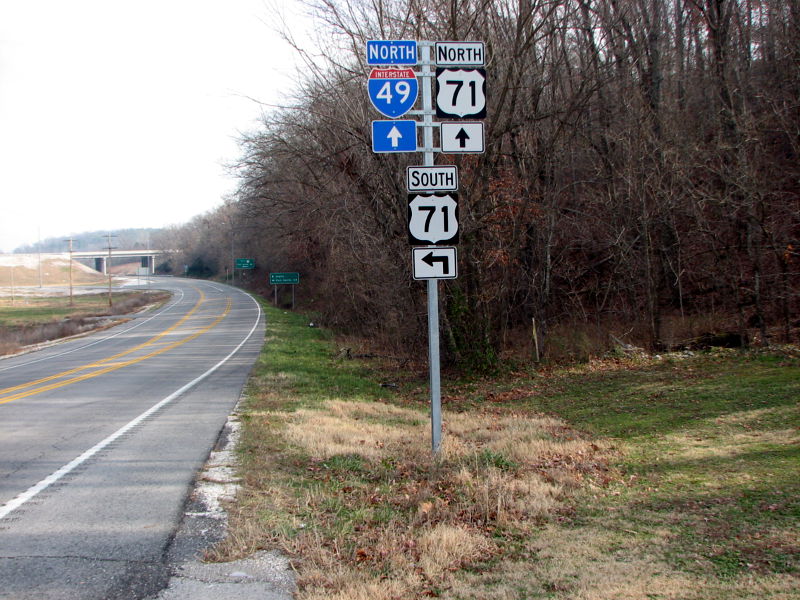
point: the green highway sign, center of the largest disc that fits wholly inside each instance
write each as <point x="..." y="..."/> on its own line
<point x="245" y="263"/>
<point x="284" y="278"/>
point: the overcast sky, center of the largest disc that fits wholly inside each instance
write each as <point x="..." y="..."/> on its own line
<point x="115" y="113"/>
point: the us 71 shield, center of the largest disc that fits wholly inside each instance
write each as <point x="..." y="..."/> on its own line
<point x="432" y="219"/>
<point x="461" y="93"/>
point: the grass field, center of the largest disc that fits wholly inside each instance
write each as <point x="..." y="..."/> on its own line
<point x="35" y="310"/>
<point x="32" y="320"/>
<point x="618" y="479"/>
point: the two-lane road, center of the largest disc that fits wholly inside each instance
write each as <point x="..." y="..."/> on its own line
<point x="100" y="439"/>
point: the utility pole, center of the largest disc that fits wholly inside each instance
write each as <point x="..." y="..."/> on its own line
<point x="39" y="248"/>
<point x="149" y="260"/>
<point x="108" y="268"/>
<point x="71" y="303"/>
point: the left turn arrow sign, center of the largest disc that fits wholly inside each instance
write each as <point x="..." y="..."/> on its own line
<point x="435" y="262"/>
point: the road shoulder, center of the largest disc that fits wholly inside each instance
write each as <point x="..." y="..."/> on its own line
<point x="262" y="576"/>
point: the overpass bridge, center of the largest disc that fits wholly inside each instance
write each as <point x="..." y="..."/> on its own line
<point x="100" y="257"/>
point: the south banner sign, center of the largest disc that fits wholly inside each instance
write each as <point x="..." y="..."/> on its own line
<point x="393" y="91"/>
<point x="425" y="178"/>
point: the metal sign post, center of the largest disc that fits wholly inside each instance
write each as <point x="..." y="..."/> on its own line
<point x="432" y="215"/>
<point x="433" y="284"/>
<point x="276" y="279"/>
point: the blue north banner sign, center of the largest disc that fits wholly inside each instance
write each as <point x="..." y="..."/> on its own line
<point x="391" y="52"/>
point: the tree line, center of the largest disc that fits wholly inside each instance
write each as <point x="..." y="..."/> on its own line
<point x="128" y="239"/>
<point x="641" y="179"/>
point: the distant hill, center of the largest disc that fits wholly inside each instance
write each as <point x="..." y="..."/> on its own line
<point x="125" y="239"/>
<point x="24" y="271"/>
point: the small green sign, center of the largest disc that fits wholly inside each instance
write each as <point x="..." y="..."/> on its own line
<point x="284" y="278"/>
<point x="245" y="263"/>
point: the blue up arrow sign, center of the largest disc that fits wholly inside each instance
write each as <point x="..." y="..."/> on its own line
<point x="394" y="136"/>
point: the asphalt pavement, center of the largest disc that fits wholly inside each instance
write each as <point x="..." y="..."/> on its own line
<point x="101" y="438"/>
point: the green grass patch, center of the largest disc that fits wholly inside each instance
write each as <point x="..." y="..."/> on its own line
<point x="711" y="455"/>
<point x="497" y="460"/>
<point x="300" y="361"/>
<point x="665" y="396"/>
<point x="29" y="311"/>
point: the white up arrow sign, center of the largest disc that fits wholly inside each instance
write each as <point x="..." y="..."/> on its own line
<point x="395" y="136"/>
<point x="461" y="137"/>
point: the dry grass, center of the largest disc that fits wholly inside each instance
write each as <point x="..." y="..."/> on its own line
<point x="444" y="548"/>
<point x="369" y="430"/>
<point x="34" y="321"/>
<point x="378" y="518"/>
<point x="601" y="562"/>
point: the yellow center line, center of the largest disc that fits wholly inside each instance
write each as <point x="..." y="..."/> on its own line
<point x="120" y="365"/>
<point x="106" y="365"/>
<point x="100" y="363"/>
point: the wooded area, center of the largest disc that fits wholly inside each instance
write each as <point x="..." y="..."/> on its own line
<point x="641" y="178"/>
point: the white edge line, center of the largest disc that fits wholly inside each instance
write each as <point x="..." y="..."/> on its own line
<point x="106" y="338"/>
<point x="32" y="491"/>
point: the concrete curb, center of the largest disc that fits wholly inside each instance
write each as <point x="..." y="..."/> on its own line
<point x="262" y="576"/>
